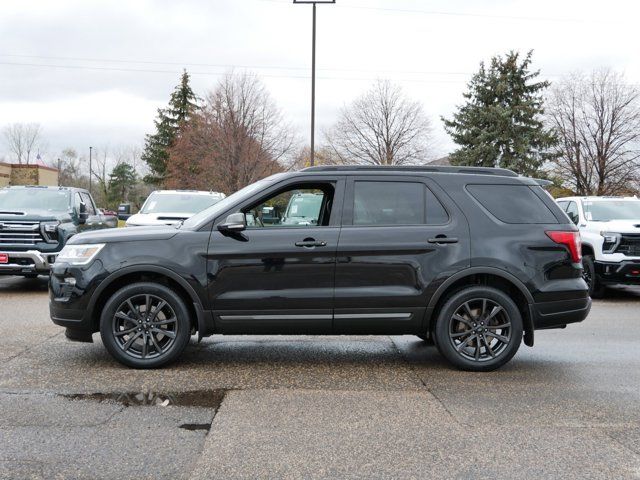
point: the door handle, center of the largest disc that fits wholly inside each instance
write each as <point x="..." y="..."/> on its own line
<point x="443" y="240"/>
<point x="310" y="243"/>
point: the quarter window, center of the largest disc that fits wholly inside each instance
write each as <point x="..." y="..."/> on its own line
<point x="513" y="203"/>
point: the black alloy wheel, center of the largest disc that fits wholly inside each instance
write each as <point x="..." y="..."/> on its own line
<point x="479" y="328"/>
<point x="145" y="325"/>
<point x="596" y="289"/>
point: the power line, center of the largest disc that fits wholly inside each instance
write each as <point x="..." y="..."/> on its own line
<point x="450" y="14"/>
<point x="176" y="72"/>
<point x="227" y="66"/>
<point x="379" y="72"/>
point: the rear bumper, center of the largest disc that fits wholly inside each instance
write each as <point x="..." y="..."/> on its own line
<point x="618" y="273"/>
<point x="29" y="262"/>
<point x="559" y="313"/>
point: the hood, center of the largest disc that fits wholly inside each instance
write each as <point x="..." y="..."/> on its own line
<point x="616" y="226"/>
<point x="34" y="216"/>
<point x="114" y="235"/>
<point x="161" y="218"/>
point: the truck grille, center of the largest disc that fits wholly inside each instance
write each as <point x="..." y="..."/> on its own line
<point x="629" y="245"/>
<point x="19" y="233"/>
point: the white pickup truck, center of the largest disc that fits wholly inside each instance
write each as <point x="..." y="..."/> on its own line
<point x="610" y="231"/>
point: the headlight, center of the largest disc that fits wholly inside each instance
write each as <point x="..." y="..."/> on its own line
<point x="50" y="227"/>
<point x="79" y="254"/>
<point x="611" y="241"/>
<point x="50" y="231"/>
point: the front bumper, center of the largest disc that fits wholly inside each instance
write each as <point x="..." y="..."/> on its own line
<point x="627" y="272"/>
<point x="29" y="262"/>
<point x="71" y="289"/>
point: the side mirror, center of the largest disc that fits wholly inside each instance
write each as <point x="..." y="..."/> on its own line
<point x="236" y="222"/>
<point x="82" y="214"/>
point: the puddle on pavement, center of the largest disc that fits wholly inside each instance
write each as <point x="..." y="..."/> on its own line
<point x="200" y="398"/>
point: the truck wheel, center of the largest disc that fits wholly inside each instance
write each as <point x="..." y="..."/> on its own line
<point x="596" y="289"/>
<point x="145" y="325"/>
<point x="479" y="329"/>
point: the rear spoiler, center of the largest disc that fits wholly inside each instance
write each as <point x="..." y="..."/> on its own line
<point x="543" y="182"/>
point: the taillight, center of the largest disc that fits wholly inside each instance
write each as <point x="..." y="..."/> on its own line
<point x="571" y="240"/>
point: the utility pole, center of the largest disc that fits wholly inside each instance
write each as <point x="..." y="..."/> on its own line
<point x="90" y="169"/>
<point x="313" y="75"/>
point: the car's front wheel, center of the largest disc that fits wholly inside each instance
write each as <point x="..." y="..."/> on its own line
<point x="479" y="329"/>
<point x="145" y="325"/>
<point x="596" y="289"/>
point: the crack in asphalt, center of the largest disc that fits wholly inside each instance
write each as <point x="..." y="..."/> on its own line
<point x="31" y="347"/>
<point x="422" y="382"/>
<point x="621" y="443"/>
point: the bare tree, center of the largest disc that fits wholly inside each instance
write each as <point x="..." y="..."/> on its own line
<point x="597" y="120"/>
<point x="238" y="137"/>
<point x="22" y="140"/>
<point x="382" y="127"/>
<point x="69" y="167"/>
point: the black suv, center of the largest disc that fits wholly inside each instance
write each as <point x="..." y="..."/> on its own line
<point x="471" y="259"/>
<point x="37" y="221"/>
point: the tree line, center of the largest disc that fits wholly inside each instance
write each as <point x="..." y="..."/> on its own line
<point x="582" y="132"/>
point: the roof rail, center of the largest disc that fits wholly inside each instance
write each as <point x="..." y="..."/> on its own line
<point x="503" y="172"/>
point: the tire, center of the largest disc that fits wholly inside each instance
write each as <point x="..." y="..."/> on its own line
<point x="140" y="340"/>
<point x="30" y="275"/>
<point x="470" y="342"/>
<point x="596" y="289"/>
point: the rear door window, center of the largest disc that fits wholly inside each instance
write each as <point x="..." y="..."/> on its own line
<point x="396" y="203"/>
<point x="513" y="203"/>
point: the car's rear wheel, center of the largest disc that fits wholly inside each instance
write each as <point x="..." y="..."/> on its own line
<point x="596" y="289"/>
<point x="479" y="329"/>
<point x="145" y="325"/>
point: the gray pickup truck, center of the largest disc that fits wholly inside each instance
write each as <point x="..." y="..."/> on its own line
<point x="36" y="222"/>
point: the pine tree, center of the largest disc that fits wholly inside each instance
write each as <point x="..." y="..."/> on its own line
<point x="182" y="104"/>
<point x="122" y="179"/>
<point x="500" y="125"/>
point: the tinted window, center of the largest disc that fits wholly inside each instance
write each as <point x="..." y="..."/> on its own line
<point x="563" y="205"/>
<point x="513" y="203"/>
<point x="436" y="214"/>
<point x="389" y="203"/>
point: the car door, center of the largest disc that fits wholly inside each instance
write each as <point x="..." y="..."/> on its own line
<point x="401" y="237"/>
<point x="277" y="276"/>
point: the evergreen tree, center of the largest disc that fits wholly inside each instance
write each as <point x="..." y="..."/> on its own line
<point x="501" y="125"/>
<point x="182" y="104"/>
<point x="121" y="180"/>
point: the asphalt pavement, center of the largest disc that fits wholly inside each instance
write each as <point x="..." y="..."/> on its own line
<point x="318" y="407"/>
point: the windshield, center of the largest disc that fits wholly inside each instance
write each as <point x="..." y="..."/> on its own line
<point x="304" y="206"/>
<point x="607" y="210"/>
<point x="24" y="199"/>
<point x="178" y="203"/>
<point x="226" y="203"/>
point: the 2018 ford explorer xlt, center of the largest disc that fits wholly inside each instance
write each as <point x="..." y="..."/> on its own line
<point x="472" y="259"/>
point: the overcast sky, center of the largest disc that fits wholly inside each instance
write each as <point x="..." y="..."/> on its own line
<point x="94" y="72"/>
